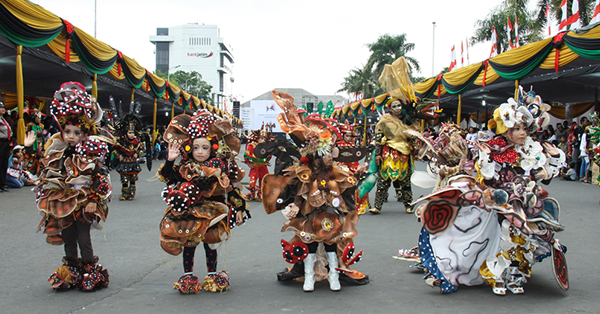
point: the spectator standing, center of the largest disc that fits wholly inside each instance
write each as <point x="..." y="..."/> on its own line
<point x="5" y="136"/>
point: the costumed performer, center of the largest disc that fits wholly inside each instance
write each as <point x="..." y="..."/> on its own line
<point x="258" y="166"/>
<point x="316" y="195"/>
<point x="202" y="193"/>
<point x="33" y="160"/>
<point x="348" y="139"/>
<point x="75" y="187"/>
<point x="494" y="227"/>
<point x="131" y="144"/>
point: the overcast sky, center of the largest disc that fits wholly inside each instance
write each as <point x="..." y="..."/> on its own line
<point x="306" y="44"/>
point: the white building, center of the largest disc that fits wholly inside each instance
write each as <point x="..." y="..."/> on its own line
<point x="199" y="48"/>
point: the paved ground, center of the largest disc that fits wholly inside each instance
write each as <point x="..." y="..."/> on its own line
<point x="142" y="275"/>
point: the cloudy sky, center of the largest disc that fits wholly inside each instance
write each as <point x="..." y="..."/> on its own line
<point x="310" y="44"/>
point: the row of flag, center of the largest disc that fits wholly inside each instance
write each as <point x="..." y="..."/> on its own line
<point x="573" y="21"/>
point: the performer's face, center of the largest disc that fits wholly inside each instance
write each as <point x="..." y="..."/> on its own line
<point x="348" y="137"/>
<point x="517" y="134"/>
<point x="396" y="107"/>
<point x="130" y="135"/>
<point x="37" y="119"/>
<point x="201" y="149"/>
<point x="73" y="134"/>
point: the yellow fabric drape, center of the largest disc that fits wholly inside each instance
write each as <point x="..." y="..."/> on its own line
<point x="136" y="69"/>
<point x="462" y="75"/>
<point x="58" y="47"/>
<point x="157" y="80"/>
<point x="458" y="113"/>
<point x="516" y="90"/>
<point x="20" y="96"/>
<point x="95" y="86"/>
<point x="490" y="76"/>
<point x="114" y="72"/>
<point x="154" y="122"/>
<point x="559" y="112"/>
<point x="423" y="87"/>
<point x="566" y="56"/>
<point x="97" y="48"/>
<point x="520" y="54"/>
<point x="592" y="33"/>
<point x="33" y="14"/>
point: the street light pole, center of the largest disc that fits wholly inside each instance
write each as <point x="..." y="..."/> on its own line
<point x="433" y="52"/>
<point x="169" y="71"/>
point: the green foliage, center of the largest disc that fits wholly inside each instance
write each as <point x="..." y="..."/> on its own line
<point x="384" y="51"/>
<point x="329" y="109"/>
<point x="190" y="82"/>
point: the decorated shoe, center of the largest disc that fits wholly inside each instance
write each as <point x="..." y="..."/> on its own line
<point x="94" y="277"/>
<point x="216" y="282"/>
<point x="188" y="284"/>
<point x="66" y="276"/>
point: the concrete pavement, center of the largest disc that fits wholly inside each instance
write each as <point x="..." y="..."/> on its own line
<point x="142" y="274"/>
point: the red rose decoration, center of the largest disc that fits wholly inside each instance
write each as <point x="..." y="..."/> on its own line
<point x="294" y="252"/>
<point x="305" y="160"/>
<point x="438" y="215"/>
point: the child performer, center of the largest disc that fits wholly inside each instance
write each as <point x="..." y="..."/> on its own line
<point x="74" y="188"/>
<point x="202" y="192"/>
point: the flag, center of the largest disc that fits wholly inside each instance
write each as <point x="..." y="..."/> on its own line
<point x="549" y="21"/>
<point x="563" y="16"/>
<point x="494" y="50"/>
<point x="596" y="15"/>
<point x="462" y="52"/>
<point x="574" y="19"/>
<point x="516" y="31"/>
<point x="467" y="42"/>
<point x="452" y="59"/>
<point x="510" y="29"/>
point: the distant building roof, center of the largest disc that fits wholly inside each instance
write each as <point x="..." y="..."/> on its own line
<point x="300" y="97"/>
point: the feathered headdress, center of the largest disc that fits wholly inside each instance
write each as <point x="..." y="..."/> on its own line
<point x="529" y="110"/>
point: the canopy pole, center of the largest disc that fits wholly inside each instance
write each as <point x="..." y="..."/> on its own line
<point x="95" y="86"/>
<point x="364" y="131"/>
<point x="20" y="97"/>
<point x="172" y="110"/>
<point x="516" y="90"/>
<point x="154" y="122"/>
<point x="133" y="94"/>
<point x="459" y="110"/>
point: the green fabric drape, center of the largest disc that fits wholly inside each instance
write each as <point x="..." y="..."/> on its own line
<point x="21" y="33"/>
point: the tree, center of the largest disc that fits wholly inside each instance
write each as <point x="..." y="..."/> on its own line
<point x="529" y="26"/>
<point x="361" y="80"/>
<point x="388" y="49"/>
<point x="586" y="10"/>
<point x="190" y="82"/>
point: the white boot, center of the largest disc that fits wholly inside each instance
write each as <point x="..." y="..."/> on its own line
<point x="334" y="276"/>
<point x="309" y="272"/>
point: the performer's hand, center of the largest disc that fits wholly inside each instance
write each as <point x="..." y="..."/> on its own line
<point x="293" y="210"/>
<point x="378" y="160"/>
<point x="29" y="139"/>
<point x="551" y="149"/>
<point x="90" y="207"/>
<point x="483" y="147"/>
<point x="173" y="151"/>
<point x="239" y="218"/>
<point x="135" y="155"/>
<point x="120" y="158"/>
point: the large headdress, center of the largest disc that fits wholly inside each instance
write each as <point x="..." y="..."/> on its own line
<point x="72" y="105"/>
<point x="265" y="131"/>
<point x="395" y="79"/>
<point x="529" y="110"/>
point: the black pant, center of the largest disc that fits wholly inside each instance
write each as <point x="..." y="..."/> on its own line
<point x="4" y="154"/>
<point x="78" y="233"/>
<point x="312" y="247"/>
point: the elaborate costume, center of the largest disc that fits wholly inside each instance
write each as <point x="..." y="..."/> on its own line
<point x="316" y="195"/>
<point x="75" y="187"/>
<point x="464" y="242"/>
<point x="258" y="166"/>
<point x="204" y="203"/>
<point x="33" y="160"/>
<point x="348" y="139"/>
<point x="131" y="145"/>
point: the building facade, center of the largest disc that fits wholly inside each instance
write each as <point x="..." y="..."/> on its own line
<point x="199" y="48"/>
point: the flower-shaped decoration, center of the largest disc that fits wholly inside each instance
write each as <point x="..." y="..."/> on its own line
<point x="532" y="155"/>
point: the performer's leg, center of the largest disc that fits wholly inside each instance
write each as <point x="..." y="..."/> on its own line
<point x="309" y="267"/>
<point x="188" y="259"/>
<point x="124" y="187"/>
<point x="69" y="235"/>
<point x="382" y="194"/>
<point x="85" y="241"/>
<point x="407" y="195"/>
<point x="211" y="259"/>
<point x="334" y="276"/>
<point x="132" y="179"/>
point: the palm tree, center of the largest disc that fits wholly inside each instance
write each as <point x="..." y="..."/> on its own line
<point x="586" y="9"/>
<point x="387" y="49"/>
<point x="361" y="80"/>
<point x="529" y="26"/>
